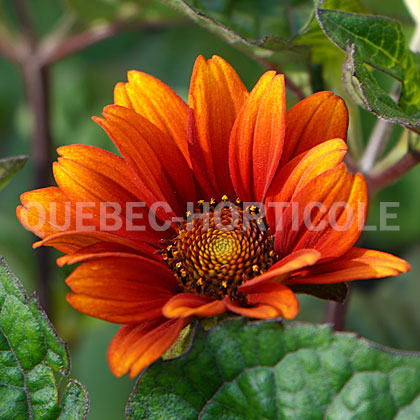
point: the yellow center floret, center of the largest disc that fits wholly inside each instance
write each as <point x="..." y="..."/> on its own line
<point x="218" y="248"/>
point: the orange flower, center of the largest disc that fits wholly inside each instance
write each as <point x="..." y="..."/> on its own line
<point x="225" y="143"/>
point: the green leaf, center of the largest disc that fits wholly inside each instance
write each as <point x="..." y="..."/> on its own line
<point x="9" y="167"/>
<point x="267" y="48"/>
<point x="323" y="52"/>
<point x="378" y="42"/>
<point x="241" y="370"/>
<point x="30" y="350"/>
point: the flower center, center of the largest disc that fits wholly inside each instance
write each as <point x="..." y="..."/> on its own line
<point x="220" y="246"/>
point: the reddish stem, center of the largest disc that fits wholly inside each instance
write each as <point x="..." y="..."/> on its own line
<point x="336" y="315"/>
<point x="35" y="77"/>
<point x="380" y="180"/>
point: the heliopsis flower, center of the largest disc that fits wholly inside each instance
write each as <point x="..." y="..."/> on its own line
<point x="162" y="262"/>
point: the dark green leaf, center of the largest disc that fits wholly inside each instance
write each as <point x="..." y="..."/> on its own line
<point x="379" y="42"/>
<point x="30" y="350"/>
<point x="240" y="370"/>
<point x="9" y="167"/>
<point x="362" y="85"/>
<point x="256" y="20"/>
<point x="266" y="48"/>
<point x="336" y="292"/>
<point x="322" y="50"/>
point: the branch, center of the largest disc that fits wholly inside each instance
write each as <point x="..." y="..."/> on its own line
<point x="376" y="145"/>
<point x="10" y="50"/>
<point x="27" y="26"/>
<point x="35" y="78"/>
<point x="380" y="180"/>
<point x="52" y="51"/>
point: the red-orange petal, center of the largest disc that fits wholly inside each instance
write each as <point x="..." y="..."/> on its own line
<point x="162" y="171"/>
<point x="355" y="264"/>
<point x="297" y="173"/>
<point x="216" y="96"/>
<point x="106" y="250"/>
<point x="108" y="164"/>
<point x="121" y="290"/>
<point x="350" y="220"/>
<point x="256" y="142"/>
<point x="119" y="311"/>
<point x="184" y="305"/>
<point x="158" y="103"/>
<point x="278" y="296"/>
<point x="46" y="212"/>
<point x="77" y="239"/>
<point x="101" y="273"/>
<point x="270" y="300"/>
<point x="282" y="269"/>
<point x="259" y="311"/>
<point x="317" y="118"/>
<point x="309" y="221"/>
<point x="91" y="192"/>
<point x="134" y="347"/>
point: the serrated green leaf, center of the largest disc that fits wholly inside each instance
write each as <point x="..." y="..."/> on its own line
<point x="323" y="51"/>
<point x="379" y="42"/>
<point x="268" y="47"/>
<point x="75" y="404"/>
<point x="364" y="88"/>
<point x="9" y="167"/>
<point x="30" y="350"/>
<point x="240" y="370"/>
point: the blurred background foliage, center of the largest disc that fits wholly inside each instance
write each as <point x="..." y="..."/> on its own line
<point x="151" y="37"/>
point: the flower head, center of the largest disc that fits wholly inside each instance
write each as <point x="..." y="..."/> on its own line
<point x="223" y="204"/>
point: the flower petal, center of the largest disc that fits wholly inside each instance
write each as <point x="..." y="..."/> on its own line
<point x="282" y="269"/>
<point x="278" y="296"/>
<point x="76" y="239"/>
<point x="101" y="185"/>
<point x="93" y="276"/>
<point x="121" y="290"/>
<point x="46" y="212"/>
<point x="327" y="214"/>
<point x="355" y="264"/>
<point x="119" y="311"/>
<point x="156" y="102"/>
<point x="162" y="171"/>
<point x="256" y="142"/>
<point x="297" y="173"/>
<point x="134" y="347"/>
<point x="107" y="250"/>
<point x="183" y="305"/>
<point x="317" y="118"/>
<point x="345" y="225"/>
<point x="105" y="163"/>
<point x="216" y="96"/>
<point x="259" y="311"/>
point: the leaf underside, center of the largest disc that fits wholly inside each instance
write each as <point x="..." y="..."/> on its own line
<point x="9" y="167"/>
